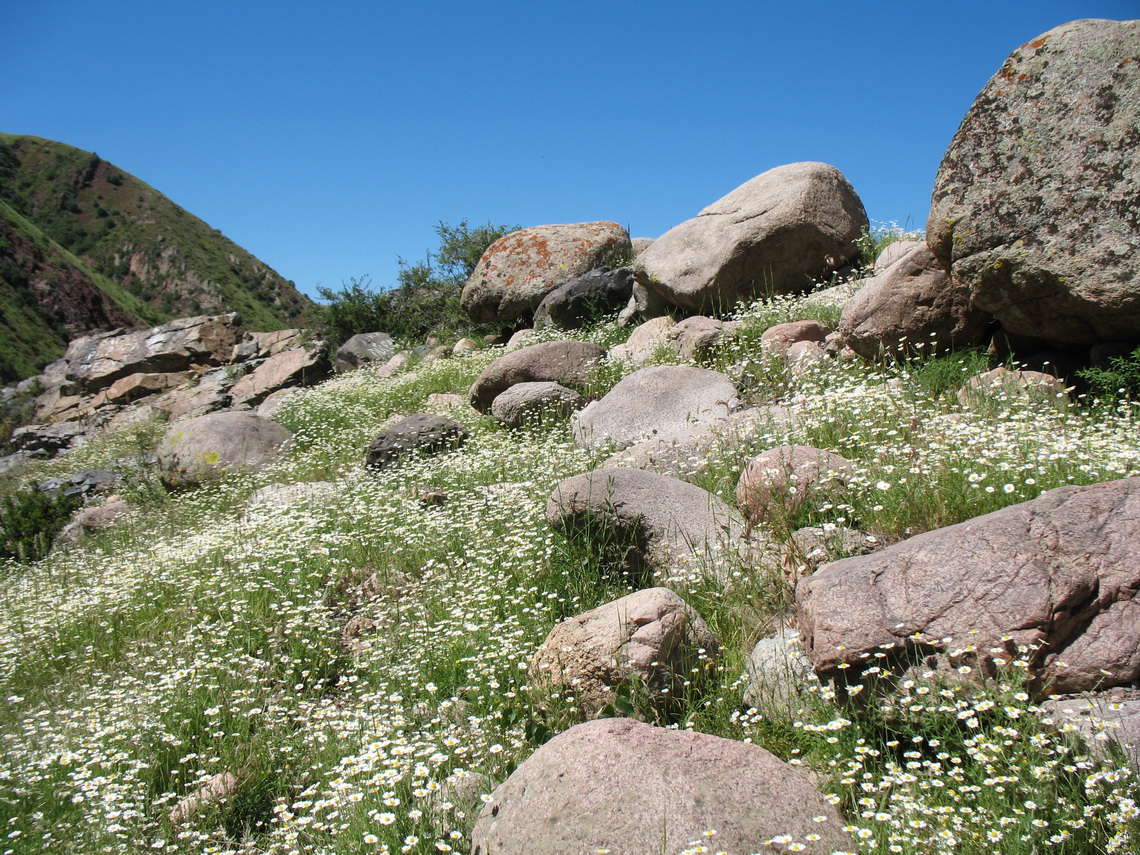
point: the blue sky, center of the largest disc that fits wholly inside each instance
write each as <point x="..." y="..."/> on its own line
<point x="328" y="138"/>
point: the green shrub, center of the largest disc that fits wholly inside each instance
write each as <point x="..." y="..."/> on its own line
<point x="1121" y="379"/>
<point x="425" y="300"/>
<point x="29" y="522"/>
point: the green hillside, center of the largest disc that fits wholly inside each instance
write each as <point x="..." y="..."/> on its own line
<point x="86" y="246"/>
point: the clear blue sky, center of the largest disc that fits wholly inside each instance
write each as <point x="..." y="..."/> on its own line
<point x="328" y="138"/>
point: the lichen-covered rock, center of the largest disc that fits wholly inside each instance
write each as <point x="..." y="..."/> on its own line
<point x="1034" y="205"/>
<point x="522" y="267"/>
<point x="214" y="445"/>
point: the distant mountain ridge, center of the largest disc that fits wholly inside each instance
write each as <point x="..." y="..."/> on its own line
<point x="86" y="246"/>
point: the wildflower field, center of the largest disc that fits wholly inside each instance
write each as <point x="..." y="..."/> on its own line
<point x="350" y="664"/>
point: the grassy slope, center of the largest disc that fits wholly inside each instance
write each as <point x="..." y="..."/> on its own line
<point x="152" y="258"/>
<point x="204" y="635"/>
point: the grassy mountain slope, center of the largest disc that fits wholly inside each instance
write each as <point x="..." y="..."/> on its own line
<point x="356" y="661"/>
<point x="85" y="246"/>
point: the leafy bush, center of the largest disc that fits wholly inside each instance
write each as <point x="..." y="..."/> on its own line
<point x="1121" y="379"/>
<point x="426" y="299"/>
<point x="29" y="522"/>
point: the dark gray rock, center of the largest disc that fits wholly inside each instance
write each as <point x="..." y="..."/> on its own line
<point x="585" y="298"/>
<point x="85" y="483"/>
<point x="417" y="434"/>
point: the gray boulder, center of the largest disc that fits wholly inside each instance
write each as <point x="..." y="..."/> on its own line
<point x="566" y="362"/>
<point x="780" y="481"/>
<point x="417" y="434"/>
<point x="652" y="636"/>
<point x="914" y="306"/>
<point x="362" y="348"/>
<point x="648" y="525"/>
<point x="687" y="454"/>
<point x="659" y="402"/>
<point x="89" y="482"/>
<point x="617" y="785"/>
<point x="777" y="233"/>
<point x="777" y="339"/>
<point x="779" y="673"/>
<point x="1058" y="572"/>
<point x="645" y="340"/>
<point x="522" y="267"/>
<point x="1034" y="204"/>
<point x="526" y="403"/>
<point x="892" y="252"/>
<point x="585" y="298"/>
<point x="217" y="444"/>
<point x="1102" y="717"/>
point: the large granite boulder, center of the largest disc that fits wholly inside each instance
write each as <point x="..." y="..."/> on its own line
<point x="659" y="402"/>
<point x="617" y="785"/>
<point x="566" y="362"/>
<point x="1034" y="205"/>
<point x="214" y="445"/>
<point x="688" y="454"/>
<point x="775" y="234"/>
<point x="522" y="267"/>
<point x="652" y="636"/>
<point x="646" y="524"/>
<point x="585" y="298"/>
<point x="1059" y="572"/>
<point x="913" y="306"/>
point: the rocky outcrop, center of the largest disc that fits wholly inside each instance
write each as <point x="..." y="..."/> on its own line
<point x="568" y="363"/>
<point x="197" y="450"/>
<point x="189" y="367"/>
<point x="1034" y="204"/>
<point x="1058" y="573"/>
<point x="672" y="787"/>
<point x="519" y="269"/>
<point x="652" y="636"/>
<point x="659" y="402"/>
<point x="775" y="234"/>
